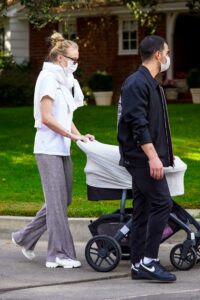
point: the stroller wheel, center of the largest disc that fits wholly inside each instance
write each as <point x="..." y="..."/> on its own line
<point x="197" y="249"/>
<point x="180" y="262"/>
<point x="103" y="253"/>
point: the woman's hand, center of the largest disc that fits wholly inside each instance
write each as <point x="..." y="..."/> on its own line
<point x="79" y="137"/>
<point x="90" y="137"/>
<point x="83" y="138"/>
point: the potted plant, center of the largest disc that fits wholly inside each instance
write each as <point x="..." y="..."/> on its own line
<point x="170" y="88"/>
<point x="181" y="82"/>
<point x="101" y="84"/>
<point x="193" y="80"/>
<point x="88" y="95"/>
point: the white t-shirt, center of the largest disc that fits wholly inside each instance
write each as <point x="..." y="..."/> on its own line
<point x="55" y="83"/>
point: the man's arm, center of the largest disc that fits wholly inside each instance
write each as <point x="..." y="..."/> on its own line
<point x="136" y="114"/>
<point x="155" y="164"/>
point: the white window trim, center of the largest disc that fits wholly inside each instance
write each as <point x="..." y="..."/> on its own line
<point x="120" y="50"/>
<point x="71" y="21"/>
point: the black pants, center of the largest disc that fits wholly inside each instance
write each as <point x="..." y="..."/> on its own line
<point x="152" y="205"/>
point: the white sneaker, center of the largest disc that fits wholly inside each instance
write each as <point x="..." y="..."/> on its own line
<point x="68" y="263"/>
<point x="29" y="254"/>
<point x="50" y="264"/>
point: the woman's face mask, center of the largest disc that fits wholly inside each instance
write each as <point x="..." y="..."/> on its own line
<point x="72" y="66"/>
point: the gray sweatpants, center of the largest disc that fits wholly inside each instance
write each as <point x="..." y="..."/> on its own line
<point x="56" y="176"/>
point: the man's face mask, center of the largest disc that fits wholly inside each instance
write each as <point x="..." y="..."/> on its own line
<point x="164" y="67"/>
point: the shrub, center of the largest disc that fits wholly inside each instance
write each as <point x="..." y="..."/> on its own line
<point x="169" y="83"/>
<point x="6" y="60"/>
<point x="17" y="85"/>
<point x="101" y="81"/>
<point x="88" y="95"/>
<point x="193" y="78"/>
<point x="181" y="75"/>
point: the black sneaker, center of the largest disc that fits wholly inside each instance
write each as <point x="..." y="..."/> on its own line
<point x="156" y="271"/>
<point x="135" y="273"/>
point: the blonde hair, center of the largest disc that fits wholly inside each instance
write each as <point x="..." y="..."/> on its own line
<point x="60" y="46"/>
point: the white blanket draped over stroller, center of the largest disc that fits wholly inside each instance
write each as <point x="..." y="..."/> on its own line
<point x="103" y="170"/>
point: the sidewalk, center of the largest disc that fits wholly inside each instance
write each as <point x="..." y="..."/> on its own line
<point x="27" y="280"/>
<point x="21" y="279"/>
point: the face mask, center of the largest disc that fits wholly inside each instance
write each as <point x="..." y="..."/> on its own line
<point x="71" y="67"/>
<point x="165" y="66"/>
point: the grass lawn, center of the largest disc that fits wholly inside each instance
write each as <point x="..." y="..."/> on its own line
<point x="20" y="188"/>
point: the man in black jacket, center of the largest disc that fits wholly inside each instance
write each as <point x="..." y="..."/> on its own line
<point x="145" y="148"/>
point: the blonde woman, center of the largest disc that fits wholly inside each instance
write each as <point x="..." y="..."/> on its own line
<point x="57" y="95"/>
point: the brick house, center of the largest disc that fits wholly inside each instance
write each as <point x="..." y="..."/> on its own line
<point x="108" y="38"/>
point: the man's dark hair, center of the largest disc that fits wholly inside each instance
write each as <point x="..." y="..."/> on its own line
<point x="149" y="45"/>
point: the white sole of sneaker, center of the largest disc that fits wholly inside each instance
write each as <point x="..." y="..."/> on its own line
<point x="68" y="263"/>
<point x="29" y="254"/>
<point x="13" y="240"/>
<point x="52" y="265"/>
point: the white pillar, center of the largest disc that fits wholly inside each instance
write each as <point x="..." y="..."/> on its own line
<point x="17" y="33"/>
<point x="170" y="25"/>
<point x="19" y="39"/>
<point x="7" y="35"/>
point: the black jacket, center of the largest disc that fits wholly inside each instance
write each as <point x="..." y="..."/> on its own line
<point x="143" y="119"/>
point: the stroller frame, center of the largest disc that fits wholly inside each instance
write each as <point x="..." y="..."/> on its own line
<point x="103" y="252"/>
<point x="107" y="180"/>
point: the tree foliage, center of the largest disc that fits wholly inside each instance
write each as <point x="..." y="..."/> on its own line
<point x="144" y="12"/>
<point x="194" y="6"/>
<point x="42" y="12"/>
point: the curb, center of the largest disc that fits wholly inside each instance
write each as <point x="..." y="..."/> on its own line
<point x="78" y="227"/>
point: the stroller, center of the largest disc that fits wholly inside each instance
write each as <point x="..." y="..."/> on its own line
<point x="110" y="241"/>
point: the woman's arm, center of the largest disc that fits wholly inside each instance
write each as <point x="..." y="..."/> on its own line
<point x="49" y="120"/>
<point x="74" y="130"/>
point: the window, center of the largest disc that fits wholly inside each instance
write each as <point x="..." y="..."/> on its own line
<point x="128" y="36"/>
<point x="69" y="29"/>
<point x="2" y="39"/>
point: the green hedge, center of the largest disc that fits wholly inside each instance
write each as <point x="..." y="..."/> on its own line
<point x="17" y="85"/>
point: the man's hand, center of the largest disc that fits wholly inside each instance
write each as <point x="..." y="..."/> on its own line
<point x="156" y="168"/>
<point x="155" y="164"/>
